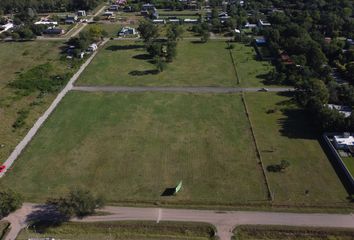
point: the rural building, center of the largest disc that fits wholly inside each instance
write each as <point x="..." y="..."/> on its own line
<point x="114" y="7"/>
<point x="250" y="25"/>
<point x="81" y="13"/>
<point x="189" y="20"/>
<point x="344" y="142"/>
<point x="263" y="24"/>
<point x="159" y="21"/>
<point x="127" y="31"/>
<point x="260" y="41"/>
<point x="54" y="31"/>
<point x="6" y="27"/>
<point x="70" y="19"/>
<point x="93" y="47"/>
<point x="108" y="14"/>
<point x="46" y="21"/>
<point x="344" y="110"/>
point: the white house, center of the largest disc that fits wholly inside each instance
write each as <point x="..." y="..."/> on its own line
<point x="126" y="31"/>
<point x="81" y="13"/>
<point x="344" y="141"/>
<point x="6" y="27"/>
<point x="189" y="20"/>
<point x="93" y="47"/>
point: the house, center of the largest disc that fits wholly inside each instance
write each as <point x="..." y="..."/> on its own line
<point x="350" y="41"/>
<point x="127" y="31"/>
<point x="54" y="31"/>
<point x="70" y="19"/>
<point x="46" y="21"/>
<point x="81" y="13"/>
<point x="114" y="7"/>
<point x="108" y="14"/>
<point x="223" y="16"/>
<point x="343" y="142"/>
<point x="191" y="21"/>
<point x="263" y="23"/>
<point x="260" y="41"/>
<point x="174" y="20"/>
<point x="149" y="10"/>
<point x="6" y="27"/>
<point x="250" y="25"/>
<point x="344" y="110"/>
<point x="159" y="21"/>
<point x="237" y="31"/>
<point x="93" y="47"/>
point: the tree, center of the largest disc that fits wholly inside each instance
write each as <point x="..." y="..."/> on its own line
<point x="284" y="165"/>
<point x="148" y="30"/>
<point x="97" y="33"/>
<point x="9" y="202"/>
<point x="205" y="35"/>
<point x="174" y="32"/>
<point x="78" y="203"/>
<point x="171" y="51"/>
<point x="160" y="64"/>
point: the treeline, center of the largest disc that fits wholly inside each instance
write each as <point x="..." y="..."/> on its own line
<point x="11" y="6"/>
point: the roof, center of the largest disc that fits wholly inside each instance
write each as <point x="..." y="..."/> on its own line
<point x="345" y="110"/>
<point x="345" y="140"/>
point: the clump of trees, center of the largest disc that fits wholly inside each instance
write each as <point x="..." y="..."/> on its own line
<point x="162" y="51"/>
<point x="78" y="203"/>
<point x="9" y="201"/>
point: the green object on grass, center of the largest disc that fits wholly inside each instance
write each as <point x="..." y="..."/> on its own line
<point x="179" y="186"/>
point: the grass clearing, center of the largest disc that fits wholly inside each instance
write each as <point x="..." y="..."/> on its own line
<point x="16" y="58"/>
<point x="250" y="71"/>
<point x="131" y="147"/>
<point x="283" y="132"/>
<point x="128" y="64"/>
<point x="123" y="230"/>
<point x="291" y="233"/>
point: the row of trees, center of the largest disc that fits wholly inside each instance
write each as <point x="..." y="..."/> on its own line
<point x="14" y="6"/>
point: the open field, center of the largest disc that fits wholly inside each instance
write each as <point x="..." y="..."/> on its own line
<point x="128" y="64"/>
<point x="123" y="230"/>
<point x="283" y="132"/>
<point x="16" y="58"/>
<point x="291" y="233"/>
<point x="131" y="147"/>
<point x="250" y="70"/>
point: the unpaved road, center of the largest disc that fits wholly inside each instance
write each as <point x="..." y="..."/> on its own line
<point x="224" y="221"/>
<point x="176" y="89"/>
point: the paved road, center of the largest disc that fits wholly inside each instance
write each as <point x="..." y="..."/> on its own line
<point x="32" y="132"/>
<point x="175" y="89"/>
<point x="224" y="221"/>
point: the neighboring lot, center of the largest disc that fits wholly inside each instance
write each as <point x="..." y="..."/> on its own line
<point x="283" y="132"/>
<point x="250" y="70"/>
<point x="131" y="147"/>
<point x="128" y="64"/>
<point x="123" y="230"/>
<point x="291" y="233"/>
<point x="17" y="58"/>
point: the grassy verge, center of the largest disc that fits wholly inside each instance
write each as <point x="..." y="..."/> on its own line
<point x="131" y="147"/>
<point x="128" y="64"/>
<point x="4" y="227"/>
<point x="123" y="230"/>
<point x="291" y="233"/>
<point x="283" y="133"/>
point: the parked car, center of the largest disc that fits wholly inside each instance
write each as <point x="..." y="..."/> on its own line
<point x="2" y="168"/>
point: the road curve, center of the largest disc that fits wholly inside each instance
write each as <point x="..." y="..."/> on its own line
<point x="176" y="89"/>
<point x="224" y="221"/>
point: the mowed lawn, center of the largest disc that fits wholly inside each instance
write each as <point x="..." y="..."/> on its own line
<point x="250" y="70"/>
<point x="284" y="132"/>
<point x="128" y="64"/>
<point x="134" y="146"/>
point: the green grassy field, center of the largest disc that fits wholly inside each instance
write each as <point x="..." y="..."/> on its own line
<point x="123" y="230"/>
<point x="131" y="147"/>
<point x="349" y="163"/>
<point x="249" y="69"/>
<point x="16" y="58"/>
<point x="290" y="233"/>
<point x="122" y="63"/>
<point x="283" y="132"/>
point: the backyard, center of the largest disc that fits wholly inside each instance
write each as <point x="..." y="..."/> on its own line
<point x="131" y="147"/>
<point x="128" y="64"/>
<point x="283" y="132"/>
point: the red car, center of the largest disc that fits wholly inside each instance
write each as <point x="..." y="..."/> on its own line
<point x="2" y="168"/>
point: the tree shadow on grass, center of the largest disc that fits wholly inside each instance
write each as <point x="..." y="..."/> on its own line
<point x="45" y="216"/>
<point x="168" y="192"/>
<point x="124" y="47"/>
<point x="145" y="72"/>
<point x="142" y="57"/>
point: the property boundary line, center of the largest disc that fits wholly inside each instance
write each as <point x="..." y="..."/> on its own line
<point x="258" y="153"/>
<point x="233" y="63"/>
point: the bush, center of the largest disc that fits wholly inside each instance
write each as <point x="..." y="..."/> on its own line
<point x="9" y="202"/>
<point x="20" y="121"/>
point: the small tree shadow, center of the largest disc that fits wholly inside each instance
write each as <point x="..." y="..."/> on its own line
<point x="197" y="42"/>
<point x="142" y="57"/>
<point x="168" y="192"/>
<point x="45" y="216"/>
<point x="145" y="72"/>
<point x="124" y="47"/>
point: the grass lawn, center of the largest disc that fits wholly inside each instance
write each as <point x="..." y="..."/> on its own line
<point x="283" y="132"/>
<point x="131" y="147"/>
<point x="123" y="230"/>
<point x="349" y="163"/>
<point x="111" y="28"/>
<point x="291" y="233"/>
<point x="249" y="69"/>
<point x="15" y="58"/>
<point x="128" y="64"/>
